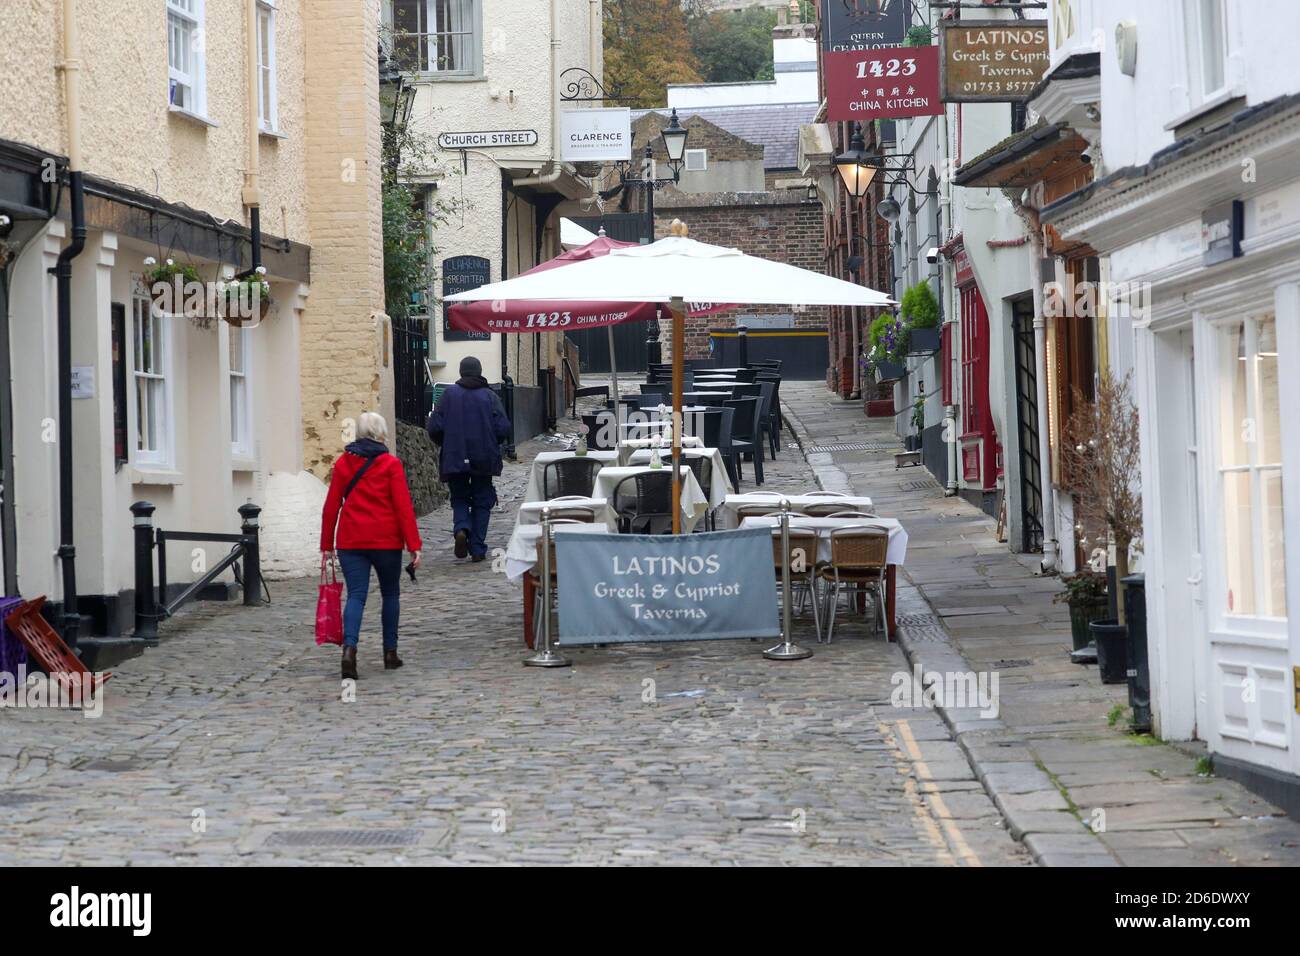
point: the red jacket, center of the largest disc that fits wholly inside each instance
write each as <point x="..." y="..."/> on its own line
<point x="378" y="512"/>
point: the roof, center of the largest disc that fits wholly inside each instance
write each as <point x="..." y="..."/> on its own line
<point x="774" y="126"/>
<point x="1022" y="158"/>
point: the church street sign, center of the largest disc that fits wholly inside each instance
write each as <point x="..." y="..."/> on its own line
<point x="483" y="139"/>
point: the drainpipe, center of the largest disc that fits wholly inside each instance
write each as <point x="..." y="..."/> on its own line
<point x="953" y="307"/>
<point x="63" y="277"/>
<point x="252" y="193"/>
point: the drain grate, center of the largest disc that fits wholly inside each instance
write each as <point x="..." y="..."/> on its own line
<point x="851" y="446"/>
<point x="916" y="620"/>
<point x="919" y="484"/>
<point x="1008" y="664"/>
<point x="20" y="799"/>
<point x="363" y="839"/>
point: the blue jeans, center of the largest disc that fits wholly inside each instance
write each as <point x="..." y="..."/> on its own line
<point x="356" y="566"/>
<point x="472" y="500"/>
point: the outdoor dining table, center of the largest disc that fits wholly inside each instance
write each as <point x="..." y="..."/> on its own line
<point x="719" y="481"/>
<point x="530" y="512"/>
<point x="694" y="503"/>
<point x="521" y="556"/>
<point x="533" y="490"/>
<point x="628" y="446"/>
<point x="728" y="517"/>
<point x="895" y="553"/>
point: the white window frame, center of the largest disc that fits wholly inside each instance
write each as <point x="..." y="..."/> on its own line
<point x="1232" y="620"/>
<point x="268" y="111"/>
<point x="189" y="13"/>
<point x="1193" y="31"/>
<point x="472" y="68"/>
<point x="240" y="383"/>
<point x="702" y="155"/>
<point x="159" y="456"/>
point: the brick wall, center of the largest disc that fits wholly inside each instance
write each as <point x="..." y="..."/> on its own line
<point x="344" y="335"/>
<point x="782" y="226"/>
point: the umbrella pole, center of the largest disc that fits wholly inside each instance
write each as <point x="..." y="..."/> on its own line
<point x="678" y="308"/>
<point x="613" y="366"/>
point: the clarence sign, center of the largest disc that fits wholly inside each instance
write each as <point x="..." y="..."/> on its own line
<point x="992" y="61"/>
<point x="648" y="587"/>
<point x="891" y="83"/>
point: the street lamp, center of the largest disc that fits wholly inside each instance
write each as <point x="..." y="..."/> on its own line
<point x="674" y="136"/>
<point x="395" y="95"/>
<point x="857" y="167"/>
<point x="889" y="210"/>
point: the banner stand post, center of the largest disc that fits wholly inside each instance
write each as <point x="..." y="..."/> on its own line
<point x="546" y="657"/>
<point x="786" y="650"/>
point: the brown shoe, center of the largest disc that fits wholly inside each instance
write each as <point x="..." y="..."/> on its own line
<point x="349" y="663"/>
<point x="391" y="661"/>
<point x="462" y="544"/>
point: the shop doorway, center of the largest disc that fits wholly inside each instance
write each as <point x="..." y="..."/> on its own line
<point x="1031" y="492"/>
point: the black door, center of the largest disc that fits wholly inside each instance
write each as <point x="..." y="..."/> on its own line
<point x="629" y="338"/>
<point x="1031" y="492"/>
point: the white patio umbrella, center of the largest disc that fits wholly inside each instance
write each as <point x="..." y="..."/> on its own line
<point x="573" y="235"/>
<point x="679" y="270"/>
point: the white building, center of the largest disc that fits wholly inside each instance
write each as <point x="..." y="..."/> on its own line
<point x="499" y="66"/>
<point x="1196" y="209"/>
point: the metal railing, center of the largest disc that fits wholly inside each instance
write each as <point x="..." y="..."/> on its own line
<point x="411" y="385"/>
<point x="151" y="604"/>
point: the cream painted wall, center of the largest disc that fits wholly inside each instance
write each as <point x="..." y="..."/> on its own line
<point x="514" y="92"/>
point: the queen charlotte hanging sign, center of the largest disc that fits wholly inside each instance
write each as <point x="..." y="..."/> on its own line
<point x="897" y="82"/>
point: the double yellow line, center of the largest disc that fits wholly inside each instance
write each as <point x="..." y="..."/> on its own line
<point x="964" y="854"/>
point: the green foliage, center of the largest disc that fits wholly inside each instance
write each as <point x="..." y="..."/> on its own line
<point x="167" y="270"/>
<point x="733" y="47"/>
<point x="919" y="307"/>
<point x="647" y="46"/>
<point x="918" y="35"/>
<point x="918" y="413"/>
<point x="1082" y="588"/>
<point x="409" y="222"/>
<point x="1204" y="767"/>
<point x="1115" y="714"/>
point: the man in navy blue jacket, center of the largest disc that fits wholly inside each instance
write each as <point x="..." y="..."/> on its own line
<point x="469" y="426"/>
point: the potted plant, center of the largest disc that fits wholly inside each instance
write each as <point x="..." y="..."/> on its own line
<point x="178" y="289"/>
<point x="920" y="310"/>
<point x="1101" y="468"/>
<point x="888" y="340"/>
<point x="913" y="442"/>
<point x="244" y="296"/>
<point x="1085" y="593"/>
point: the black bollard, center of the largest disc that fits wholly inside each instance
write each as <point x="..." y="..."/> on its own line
<point x="146" y="604"/>
<point x="252" y="554"/>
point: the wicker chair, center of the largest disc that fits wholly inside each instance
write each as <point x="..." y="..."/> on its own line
<point x="858" y="563"/>
<point x="801" y="557"/>
<point x="562" y="511"/>
<point x="569" y="477"/>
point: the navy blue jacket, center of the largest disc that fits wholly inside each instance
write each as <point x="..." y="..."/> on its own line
<point x="469" y="426"/>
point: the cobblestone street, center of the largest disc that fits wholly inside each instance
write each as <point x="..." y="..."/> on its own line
<point x="229" y="743"/>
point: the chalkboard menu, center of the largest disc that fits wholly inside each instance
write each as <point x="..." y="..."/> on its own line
<point x="460" y="274"/>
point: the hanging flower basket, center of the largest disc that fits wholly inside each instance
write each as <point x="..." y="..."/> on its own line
<point x="178" y="289"/>
<point x="922" y="341"/>
<point x="241" y="299"/>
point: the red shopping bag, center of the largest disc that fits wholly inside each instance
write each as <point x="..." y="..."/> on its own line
<point x="329" y="607"/>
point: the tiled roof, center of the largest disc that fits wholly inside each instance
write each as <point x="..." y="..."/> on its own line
<point x="774" y="126"/>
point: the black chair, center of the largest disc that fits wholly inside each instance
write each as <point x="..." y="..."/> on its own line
<point x="768" y="392"/>
<point x="746" y="436"/>
<point x="714" y="428"/>
<point x="747" y="391"/>
<point x="602" y="431"/>
<point x="569" y="477"/>
<point x="653" y="499"/>
<point x="745" y="374"/>
<point x="767" y="363"/>
<point x="655" y="388"/>
<point x="775" y="408"/>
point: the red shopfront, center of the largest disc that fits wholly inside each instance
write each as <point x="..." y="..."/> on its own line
<point x="980" y="452"/>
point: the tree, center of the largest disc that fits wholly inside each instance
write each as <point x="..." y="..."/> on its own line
<point x="1102" y="468"/>
<point x="408" y="223"/>
<point x="647" y="46"/>
<point x="734" y="47"/>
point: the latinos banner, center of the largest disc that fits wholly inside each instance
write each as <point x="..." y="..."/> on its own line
<point x="634" y="588"/>
<point x="892" y="83"/>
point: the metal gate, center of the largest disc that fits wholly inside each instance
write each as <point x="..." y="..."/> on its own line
<point x="1031" y="492"/>
<point x="411" y="386"/>
<point x="629" y="338"/>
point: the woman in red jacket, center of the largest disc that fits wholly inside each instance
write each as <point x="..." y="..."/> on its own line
<point x="368" y="517"/>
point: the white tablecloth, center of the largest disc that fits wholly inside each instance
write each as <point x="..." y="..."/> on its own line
<point x="727" y="517"/>
<point x="629" y="446"/>
<point x="533" y="491"/>
<point x="897" y="550"/>
<point x="719" y="482"/>
<point x="694" y="504"/>
<point x="521" y="551"/>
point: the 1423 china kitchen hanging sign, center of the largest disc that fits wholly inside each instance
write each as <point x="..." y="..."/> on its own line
<point x="895" y="82"/>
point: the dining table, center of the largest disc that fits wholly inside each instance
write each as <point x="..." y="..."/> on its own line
<point x="533" y="490"/>
<point x="895" y="552"/>
<point x="728" y="512"/>
<point x="662" y="442"/>
<point x="719" y="480"/>
<point x="694" y="502"/>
